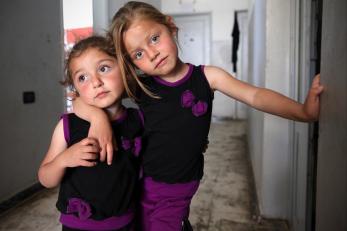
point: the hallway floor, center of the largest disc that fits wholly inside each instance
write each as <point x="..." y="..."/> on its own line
<point x="224" y="202"/>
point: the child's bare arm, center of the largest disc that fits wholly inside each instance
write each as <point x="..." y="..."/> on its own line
<point x="265" y="99"/>
<point x="100" y="128"/>
<point x="275" y="103"/>
<point x="58" y="157"/>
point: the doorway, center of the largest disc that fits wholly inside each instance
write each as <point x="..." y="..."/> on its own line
<point x="194" y="37"/>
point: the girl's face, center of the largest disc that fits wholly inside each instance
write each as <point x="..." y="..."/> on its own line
<point x="152" y="47"/>
<point x="96" y="77"/>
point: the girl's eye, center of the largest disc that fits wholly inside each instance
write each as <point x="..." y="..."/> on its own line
<point x="82" y="78"/>
<point x="155" y="38"/>
<point x="138" y="55"/>
<point x="104" y="68"/>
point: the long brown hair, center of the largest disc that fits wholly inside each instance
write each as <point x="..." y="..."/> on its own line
<point x="121" y="22"/>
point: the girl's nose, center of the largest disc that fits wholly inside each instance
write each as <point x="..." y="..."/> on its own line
<point x="153" y="53"/>
<point x="96" y="81"/>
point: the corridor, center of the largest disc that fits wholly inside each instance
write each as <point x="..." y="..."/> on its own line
<point x="224" y="202"/>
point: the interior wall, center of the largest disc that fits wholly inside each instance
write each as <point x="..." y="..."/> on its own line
<point x="77" y="13"/>
<point x="31" y="45"/>
<point x="331" y="210"/>
<point x="103" y="11"/>
<point x="256" y="76"/>
<point x="269" y="136"/>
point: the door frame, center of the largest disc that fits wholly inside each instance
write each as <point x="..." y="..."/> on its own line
<point x="303" y="136"/>
<point x="206" y="18"/>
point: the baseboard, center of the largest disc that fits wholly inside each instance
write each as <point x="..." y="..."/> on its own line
<point x="19" y="197"/>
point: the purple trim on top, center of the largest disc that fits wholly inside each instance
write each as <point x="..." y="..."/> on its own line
<point x="142" y="118"/>
<point x="66" y="127"/>
<point x="111" y="223"/>
<point x="174" y="84"/>
<point x="203" y="69"/>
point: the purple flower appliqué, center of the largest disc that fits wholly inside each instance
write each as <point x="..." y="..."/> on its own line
<point x="135" y="145"/>
<point x="79" y="206"/>
<point x="199" y="108"/>
<point x="187" y="99"/>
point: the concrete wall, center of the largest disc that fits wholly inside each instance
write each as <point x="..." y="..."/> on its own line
<point x="31" y="60"/>
<point x="269" y="136"/>
<point x="331" y="210"/>
<point x="256" y="76"/>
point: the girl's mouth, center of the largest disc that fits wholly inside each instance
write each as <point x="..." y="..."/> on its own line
<point x="161" y="62"/>
<point x="101" y="94"/>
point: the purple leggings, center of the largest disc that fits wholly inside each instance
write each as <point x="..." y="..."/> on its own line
<point x="164" y="206"/>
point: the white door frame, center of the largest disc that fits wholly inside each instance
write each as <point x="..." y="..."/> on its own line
<point x="205" y="18"/>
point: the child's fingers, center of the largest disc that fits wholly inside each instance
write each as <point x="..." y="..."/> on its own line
<point x="90" y="141"/>
<point x="320" y="89"/>
<point x="316" y="87"/>
<point x="103" y="153"/>
<point x="109" y="154"/>
<point x="91" y="149"/>
<point x="86" y="163"/>
<point x="90" y="156"/>
<point x="316" y="80"/>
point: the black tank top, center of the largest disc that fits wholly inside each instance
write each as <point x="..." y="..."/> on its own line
<point x="110" y="190"/>
<point x="176" y="126"/>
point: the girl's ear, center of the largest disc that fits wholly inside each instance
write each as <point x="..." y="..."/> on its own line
<point x="173" y="28"/>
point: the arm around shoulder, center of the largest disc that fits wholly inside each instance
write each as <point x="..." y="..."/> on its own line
<point x="100" y="127"/>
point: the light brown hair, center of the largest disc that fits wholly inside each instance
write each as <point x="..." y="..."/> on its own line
<point x="121" y="22"/>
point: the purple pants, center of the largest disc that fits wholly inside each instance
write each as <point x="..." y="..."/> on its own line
<point x="164" y="206"/>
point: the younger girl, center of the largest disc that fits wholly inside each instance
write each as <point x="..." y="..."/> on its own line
<point x="176" y="99"/>
<point x="94" y="195"/>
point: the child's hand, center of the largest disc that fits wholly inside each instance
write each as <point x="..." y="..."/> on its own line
<point x="312" y="104"/>
<point x="83" y="153"/>
<point x="101" y="130"/>
<point x="100" y="127"/>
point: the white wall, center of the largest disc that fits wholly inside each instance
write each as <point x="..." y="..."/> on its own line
<point x="78" y="13"/>
<point x="256" y="76"/>
<point x="31" y="58"/>
<point x="269" y="136"/>
<point x="103" y="11"/>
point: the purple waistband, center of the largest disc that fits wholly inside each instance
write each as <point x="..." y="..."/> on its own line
<point x="152" y="188"/>
<point x="111" y="223"/>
